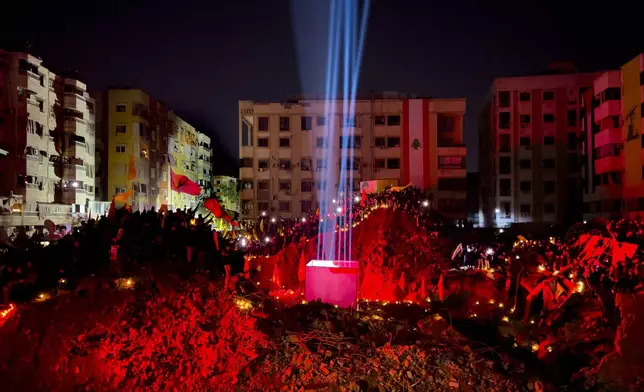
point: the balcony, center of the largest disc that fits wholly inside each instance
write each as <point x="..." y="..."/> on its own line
<point x="609" y="136"/>
<point x="74" y="102"/>
<point x="608" y="108"/>
<point x="73" y="126"/>
<point x="609" y="164"/>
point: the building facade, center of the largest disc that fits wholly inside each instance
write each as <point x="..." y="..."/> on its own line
<point x="204" y="161"/>
<point x="47" y="129"/>
<point x="294" y="154"/>
<point x="137" y="128"/>
<point x="613" y="145"/>
<point x="529" y="135"/>
<point x="225" y="188"/>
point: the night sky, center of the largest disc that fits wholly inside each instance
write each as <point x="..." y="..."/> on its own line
<point x="203" y="58"/>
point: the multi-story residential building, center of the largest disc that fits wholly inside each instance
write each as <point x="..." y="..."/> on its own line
<point x="139" y="128"/>
<point x="613" y="160"/>
<point x="225" y="188"/>
<point x="204" y="161"/>
<point x="289" y="160"/>
<point x="47" y="127"/>
<point x="529" y="150"/>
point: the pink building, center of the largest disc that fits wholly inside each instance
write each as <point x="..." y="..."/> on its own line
<point x="529" y="150"/>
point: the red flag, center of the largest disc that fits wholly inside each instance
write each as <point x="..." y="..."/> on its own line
<point x="183" y="184"/>
<point x="131" y="174"/>
<point x="213" y="206"/>
<point x="441" y="288"/>
<point x="363" y="200"/>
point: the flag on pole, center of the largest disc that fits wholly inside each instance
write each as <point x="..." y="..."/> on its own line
<point x="183" y="184"/>
<point x="111" y="215"/>
<point x="441" y="288"/>
<point x="123" y="197"/>
<point x="215" y="237"/>
<point x="213" y="206"/>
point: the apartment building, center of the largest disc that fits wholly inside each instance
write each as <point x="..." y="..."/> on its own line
<point x="529" y="137"/>
<point x="613" y="145"/>
<point x="138" y="128"/>
<point x="204" y="161"/>
<point x="225" y="188"/>
<point x="47" y="128"/>
<point x="288" y="161"/>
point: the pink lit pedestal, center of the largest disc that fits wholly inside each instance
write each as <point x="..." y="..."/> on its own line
<point x="333" y="282"/>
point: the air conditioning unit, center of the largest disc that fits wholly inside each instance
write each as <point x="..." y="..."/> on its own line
<point x="260" y="169"/>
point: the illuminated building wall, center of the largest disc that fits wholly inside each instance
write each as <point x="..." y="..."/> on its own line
<point x="283" y="150"/>
<point x="204" y="161"/>
<point x="613" y="145"/>
<point x="47" y="129"/>
<point x="136" y="125"/>
<point x="229" y="203"/>
<point x="529" y="141"/>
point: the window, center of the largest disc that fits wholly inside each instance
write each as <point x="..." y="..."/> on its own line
<point x="320" y="142"/>
<point x="285" y="142"/>
<point x="616" y="121"/>
<point x="525" y="163"/>
<point x="285" y="123"/>
<point x="393" y="163"/>
<point x="548" y="208"/>
<point x="549" y="140"/>
<point x="262" y="206"/>
<point x="549" y="163"/>
<point x="573" y="162"/>
<point x="507" y="209"/>
<point x="262" y="123"/>
<point x="572" y="141"/>
<point x="262" y="142"/>
<point x="380" y="142"/>
<point x="379" y="164"/>
<point x="262" y="164"/>
<point x="505" y="187"/>
<point x="451" y="162"/>
<point x="120" y="148"/>
<point x="452" y="184"/>
<point x="247" y="134"/>
<point x="262" y="185"/>
<point x="525" y="208"/>
<point x="525" y="186"/>
<point x="393" y="120"/>
<point x="380" y="120"/>
<point x="504" y="99"/>
<point x="285" y="164"/>
<point x="504" y="120"/>
<point x="350" y="141"/>
<point x="572" y="118"/>
<point x="306" y="164"/>
<point x="306" y="206"/>
<point x="611" y="94"/>
<point x="524" y="119"/>
<point x="307" y="186"/>
<point x="524" y="141"/>
<point x="351" y="164"/>
<point x="321" y="164"/>
<point x="285" y="206"/>
<point x="320" y="120"/>
<point x="548" y="95"/>
<point x="306" y="123"/>
<point x="321" y="184"/>
<point x="445" y="123"/>
<point x="548" y="118"/>
<point x="285" y="185"/>
<point x="524" y="97"/>
<point x="120" y="108"/>
<point x="548" y="187"/>
<point x="121" y="128"/>
<point x="349" y="121"/>
<point x="505" y="165"/>
<point x="41" y="106"/>
<point x="504" y="142"/>
<point x="393" y="142"/>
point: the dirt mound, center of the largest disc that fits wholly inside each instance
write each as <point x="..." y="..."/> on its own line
<point x="398" y="260"/>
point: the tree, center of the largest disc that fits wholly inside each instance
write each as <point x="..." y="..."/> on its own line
<point x="228" y="193"/>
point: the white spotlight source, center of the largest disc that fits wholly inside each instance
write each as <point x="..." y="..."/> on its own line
<point x="303" y="220"/>
<point x="339" y="210"/>
<point x="501" y="231"/>
<point x="425" y="203"/>
<point x="273" y="220"/>
<point x="489" y="251"/>
<point x="75" y="184"/>
<point x="356" y="199"/>
<point x="263" y="213"/>
<point x="334" y="201"/>
<point x="267" y="239"/>
<point x="243" y="242"/>
<point x="497" y="210"/>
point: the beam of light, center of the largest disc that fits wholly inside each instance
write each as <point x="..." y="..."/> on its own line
<point x="346" y="44"/>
